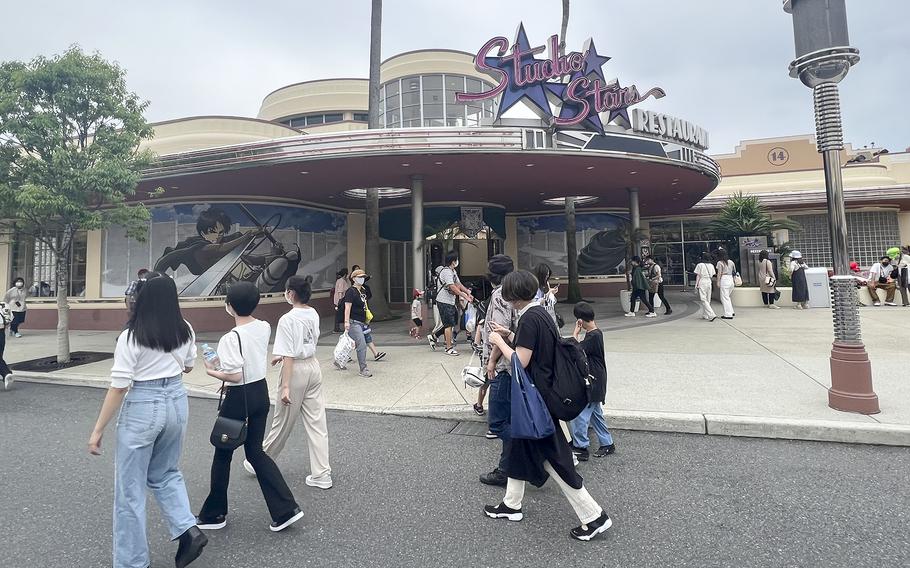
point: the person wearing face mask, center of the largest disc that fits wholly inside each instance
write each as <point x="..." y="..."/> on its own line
<point x="800" y="294"/>
<point x="450" y="288"/>
<point x="355" y="320"/>
<point x="242" y="363"/>
<point x="881" y="275"/>
<point x="300" y="384"/>
<point x="15" y="298"/>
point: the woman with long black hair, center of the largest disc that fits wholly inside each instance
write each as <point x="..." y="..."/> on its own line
<point x="538" y="460"/>
<point x="147" y="390"/>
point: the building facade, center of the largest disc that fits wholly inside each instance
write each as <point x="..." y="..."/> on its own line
<point x="262" y="198"/>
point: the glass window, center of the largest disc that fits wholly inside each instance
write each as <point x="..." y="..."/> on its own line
<point x="361" y="116"/>
<point x="455" y="83"/>
<point x="432" y="82"/>
<point x="392" y="88"/>
<point x="36" y="263"/>
<point x="474" y="86"/>
<point x="334" y="117"/>
<point x="474" y="113"/>
<point x="314" y="119"/>
<point x="408" y="99"/>
<point x="432" y="110"/>
<point x="433" y="122"/>
<point x="393" y="120"/>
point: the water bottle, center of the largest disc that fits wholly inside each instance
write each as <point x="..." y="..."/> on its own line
<point x="210" y="355"/>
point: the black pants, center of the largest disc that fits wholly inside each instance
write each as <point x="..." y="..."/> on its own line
<point x="660" y="293"/>
<point x="18" y="318"/>
<point x="339" y="318"/>
<point x="278" y="497"/>
<point x="639" y="295"/>
<point x="767" y="298"/>
<point x="4" y="368"/>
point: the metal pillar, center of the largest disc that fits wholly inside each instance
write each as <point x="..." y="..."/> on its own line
<point x="635" y="218"/>
<point x="851" y="370"/>
<point x="419" y="271"/>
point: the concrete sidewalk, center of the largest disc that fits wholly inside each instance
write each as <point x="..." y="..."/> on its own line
<point x="762" y="374"/>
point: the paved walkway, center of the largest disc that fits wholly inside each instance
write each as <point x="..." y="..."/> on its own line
<point x="763" y="374"/>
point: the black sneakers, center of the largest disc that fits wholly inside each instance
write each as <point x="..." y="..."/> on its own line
<point x="502" y="512"/>
<point x="192" y="541"/>
<point x="211" y="524"/>
<point x="286" y="521"/>
<point x="478" y="409"/>
<point x="594" y="528"/>
<point x="495" y="477"/>
<point x="580" y="453"/>
<point x="605" y="451"/>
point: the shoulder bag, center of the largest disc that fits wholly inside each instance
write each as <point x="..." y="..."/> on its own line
<point x="531" y="419"/>
<point x="230" y="433"/>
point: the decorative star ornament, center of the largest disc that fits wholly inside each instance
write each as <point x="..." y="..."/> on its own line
<point x="535" y="94"/>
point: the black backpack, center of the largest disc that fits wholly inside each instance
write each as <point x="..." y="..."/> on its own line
<point x="572" y="380"/>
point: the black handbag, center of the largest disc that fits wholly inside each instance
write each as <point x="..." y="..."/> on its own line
<point x="230" y="433"/>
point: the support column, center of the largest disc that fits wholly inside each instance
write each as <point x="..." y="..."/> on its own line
<point x="93" y="263"/>
<point x="634" y="216"/>
<point x="417" y="251"/>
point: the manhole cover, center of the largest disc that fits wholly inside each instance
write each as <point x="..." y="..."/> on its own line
<point x="470" y="428"/>
<point x="49" y="364"/>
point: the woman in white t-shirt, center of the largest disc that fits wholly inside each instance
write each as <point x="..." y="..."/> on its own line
<point x="300" y="384"/>
<point x="242" y="363"/>
<point x="147" y="390"/>
<point x="725" y="270"/>
<point x="704" y="272"/>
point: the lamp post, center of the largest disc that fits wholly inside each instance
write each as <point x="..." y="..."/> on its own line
<point x="823" y="58"/>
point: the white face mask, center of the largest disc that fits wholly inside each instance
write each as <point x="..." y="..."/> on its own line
<point x="229" y="311"/>
<point x="19" y="284"/>
<point x="359" y="280"/>
<point x="456" y="264"/>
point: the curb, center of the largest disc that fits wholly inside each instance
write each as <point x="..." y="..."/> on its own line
<point x="650" y="421"/>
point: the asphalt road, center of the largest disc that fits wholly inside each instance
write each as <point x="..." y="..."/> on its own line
<point x="406" y="494"/>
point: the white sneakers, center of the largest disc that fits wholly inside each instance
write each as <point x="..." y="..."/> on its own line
<point x="650" y="315"/>
<point x="8" y="381"/>
<point x="322" y="482"/>
<point x="773" y="307"/>
<point x="629" y="314"/>
<point x="249" y="468"/>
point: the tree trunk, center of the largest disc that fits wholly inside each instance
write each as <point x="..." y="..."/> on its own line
<point x="574" y="294"/>
<point x="379" y="305"/>
<point x="62" y="287"/>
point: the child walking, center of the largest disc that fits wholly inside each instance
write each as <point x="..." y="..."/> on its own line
<point x="593" y="413"/>
<point x="417" y="313"/>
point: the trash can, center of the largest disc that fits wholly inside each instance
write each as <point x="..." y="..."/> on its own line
<point x="819" y="292"/>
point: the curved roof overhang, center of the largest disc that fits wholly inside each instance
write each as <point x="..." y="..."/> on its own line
<point x="492" y="165"/>
<point x="886" y="196"/>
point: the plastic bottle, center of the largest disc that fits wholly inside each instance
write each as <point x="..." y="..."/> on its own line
<point x="210" y="355"/>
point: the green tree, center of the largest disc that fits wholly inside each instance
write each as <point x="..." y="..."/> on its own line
<point x="69" y="157"/>
<point x="379" y="305"/>
<point x="745" y="216"/>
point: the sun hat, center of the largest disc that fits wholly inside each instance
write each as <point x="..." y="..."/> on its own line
<point x="357" y="273"/>
<point x="796" y="254"/>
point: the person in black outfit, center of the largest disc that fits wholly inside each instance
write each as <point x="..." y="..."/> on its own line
<point x="656" y="284"/>
<point x="243" y="355"/>
<point x="593" y="413"/>
<point x="536" y="461"/>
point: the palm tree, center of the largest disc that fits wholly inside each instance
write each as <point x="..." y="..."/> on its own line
<point x="379" y="305"/>
<point x="745" y="216"/>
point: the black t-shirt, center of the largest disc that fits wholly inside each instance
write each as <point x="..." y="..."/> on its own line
<point x="593" y="346"/>
<point x="358" y="308"/>
<point x="537" y="332"/>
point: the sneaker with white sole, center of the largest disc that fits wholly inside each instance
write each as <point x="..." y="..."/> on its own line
<point x="286" y="521"/>
<point x="365" y="373"/>
<point x="431" y="339"/>
<point x="650" y="315"/>
<point x="502" y="512"/>
<point x="8" y="381"/>
<point x="249" y="467"/>
<point x="890" y="304"/>
<point x="629" y="314"/>
<point x="322" y="482"/>
<point x="451" y="351"/>
<point x="592" y="529"/>
<point x="380" y="356"/>
<point x="216" y="523"/>
<point x="876" y="303"/>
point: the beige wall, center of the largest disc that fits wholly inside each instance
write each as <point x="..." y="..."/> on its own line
<point x="511" y="238"/>
<point x="5" y="260"/>
<point x="357" y="236"/>
<point x="472" y="259"/>
<point x="903" y="219"/>
<point x="315" y="97"/>
<point x="429" y="61"/>
<point x="94" y="244"/>
<point x="197" y="133"/>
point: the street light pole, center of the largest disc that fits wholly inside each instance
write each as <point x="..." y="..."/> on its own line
<point x="823" y="59"/>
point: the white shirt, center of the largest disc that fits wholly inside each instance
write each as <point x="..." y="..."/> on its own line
<point x="705" y="272"/>
<point x="447" y="277"/>
<point x="14" y="295"/>
<point x="416" y="309"/>
<point x="134" y="362"/>
<point x="877" y="271"/>
<point x="794" y="266"/>
<point x="726" y="268"/>
<point x="297" y="334"/>
<point x="255" y="343"/>
<point x="904" y="261"/>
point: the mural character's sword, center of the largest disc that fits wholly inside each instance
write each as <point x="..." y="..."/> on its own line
<point x="207" y="282"/>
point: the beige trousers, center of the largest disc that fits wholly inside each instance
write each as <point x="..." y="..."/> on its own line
<point x="585" y="506"/>
<point x="307" y="400"/>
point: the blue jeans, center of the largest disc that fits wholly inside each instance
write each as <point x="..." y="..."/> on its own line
<point x="356" y="332"/>
<point x="150" y="432"/>
<point x="592" y="414"/>
<point x="500" y="412"/>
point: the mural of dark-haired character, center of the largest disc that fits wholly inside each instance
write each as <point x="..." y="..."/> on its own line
<point x="217" y="258"/>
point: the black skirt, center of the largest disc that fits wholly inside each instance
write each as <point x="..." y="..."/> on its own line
<point x="525" y="459"/>
<point x="800" y="286"/>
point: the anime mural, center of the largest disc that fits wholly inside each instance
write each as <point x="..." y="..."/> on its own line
<point x="601" y="250"/>
<point x="206" y="247"/>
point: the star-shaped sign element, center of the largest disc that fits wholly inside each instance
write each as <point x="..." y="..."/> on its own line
<point x="571" y="108"/>
<point x="593" y="61"/>
<point x="535" y="93"/>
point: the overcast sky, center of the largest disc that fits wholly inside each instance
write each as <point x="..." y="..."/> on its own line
<point x="723" y="63"/>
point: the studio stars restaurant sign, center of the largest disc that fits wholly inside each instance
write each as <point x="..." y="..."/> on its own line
<point x="580" y="100"/>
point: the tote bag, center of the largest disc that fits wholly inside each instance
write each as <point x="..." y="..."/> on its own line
<point x="530" y="418"/>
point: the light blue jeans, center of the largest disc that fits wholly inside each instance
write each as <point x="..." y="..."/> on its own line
<point x="150" y="432"/>
<point x="360" y="342"/>
<point x="592" y="414"/>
